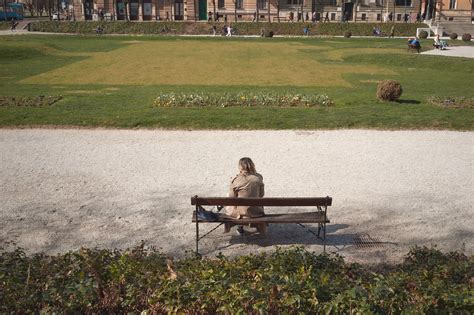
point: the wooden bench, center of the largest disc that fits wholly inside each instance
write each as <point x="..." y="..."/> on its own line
<point x="319" y="216"/>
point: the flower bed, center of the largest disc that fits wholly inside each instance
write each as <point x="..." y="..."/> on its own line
<point x="94" y="281"/>
<point x="452" y="102"/>
<point x="243" y="100"/>
<point x="28" y="101"/>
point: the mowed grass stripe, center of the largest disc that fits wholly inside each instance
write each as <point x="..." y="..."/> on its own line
<point x="212" y="63"/>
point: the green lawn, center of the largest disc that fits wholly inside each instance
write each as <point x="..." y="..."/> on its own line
<point x="112" y="81"/>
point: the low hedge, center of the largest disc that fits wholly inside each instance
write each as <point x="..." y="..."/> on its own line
<point x="29" y="101"/>
<point x="99" y="281"/>
<point x="240" y="28"/>
<point x="4" y="25"/>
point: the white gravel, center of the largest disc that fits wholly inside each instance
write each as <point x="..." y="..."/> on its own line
<point x="63" y="189"/>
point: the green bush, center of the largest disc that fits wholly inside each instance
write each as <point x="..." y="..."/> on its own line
<point x="347" y="34"/>
<point x="423" y="34"/>
<point x="389" y="90"/>
<point x="241" y="28"/>
<point x="466" y="37"/>
<point x="453" y="36"/>
<point x="284" y="281"/>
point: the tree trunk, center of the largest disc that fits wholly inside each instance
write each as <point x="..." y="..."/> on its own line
<point x="257" y="17"/>
<point x="269" y="18"/>
<point x="214" y="10"/>
<point x="354" y="15"/>
<point x="278" y="10"/>
<point x="235" y="10"/>
<point x="302" y="10"/>
<point x="5" y="9"/>
<point x="195" y="8"/>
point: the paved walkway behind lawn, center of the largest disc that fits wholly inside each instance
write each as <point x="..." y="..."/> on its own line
<point x="455" y="51"/>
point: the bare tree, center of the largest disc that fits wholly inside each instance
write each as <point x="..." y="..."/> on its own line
<point x="235" y="10"/>
<point x="354" y="15"/>
<point x="214" y="10"/>
<point x="302" y="10"/>
<point x="269" y="18"/>
<point x="257" y="17"/>
<point x="278" y="10"/>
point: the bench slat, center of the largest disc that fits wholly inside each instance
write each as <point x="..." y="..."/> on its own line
<point x="275" y="202"/>
<point x="303" y="217"/>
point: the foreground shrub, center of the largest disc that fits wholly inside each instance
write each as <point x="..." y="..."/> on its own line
<point x="28" y="101"/>
<point x="389" y="90"/>
<point x="466" y="37"/>
<point x="284" y="281"/>
<point x="453" y="35"/>
<point x="245" y="100"/>
<point x="347" y="34"/>
<point x="423" y="34"/>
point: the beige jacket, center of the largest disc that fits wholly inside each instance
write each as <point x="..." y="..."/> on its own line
<point x="246" y="185"/>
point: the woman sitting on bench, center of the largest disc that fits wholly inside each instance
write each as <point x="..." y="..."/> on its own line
<point x="414" y="43"/>
<point x="248" y="183"/>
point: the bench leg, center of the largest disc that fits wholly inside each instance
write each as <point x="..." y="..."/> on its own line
<point x="324" y="236"/>
<point x="197" y="232"/>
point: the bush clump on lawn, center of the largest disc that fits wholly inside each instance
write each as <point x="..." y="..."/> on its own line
<point x="453" y="36"/>
<point x="389" y="90"/>
<point x="285" y="281"/>
<point x="466" y="37"/>
<point x="28" y="101"/>
<point x="242" y="100"/>
<point x="347" y="34"/>
<point x="423" y="34"/>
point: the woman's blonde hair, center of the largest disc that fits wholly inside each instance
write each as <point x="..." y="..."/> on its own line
<point x="246" y="164"/>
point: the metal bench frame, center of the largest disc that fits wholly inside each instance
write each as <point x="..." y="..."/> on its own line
<point x="319" y="216"/>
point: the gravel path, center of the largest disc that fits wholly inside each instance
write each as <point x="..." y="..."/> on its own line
<point x="63" y="189"/>
<point x="454" y="51"/>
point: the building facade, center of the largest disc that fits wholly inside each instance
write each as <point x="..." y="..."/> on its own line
<point x="275" y="10"/>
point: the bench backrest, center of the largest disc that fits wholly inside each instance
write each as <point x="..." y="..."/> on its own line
<point x="270" y="202"/>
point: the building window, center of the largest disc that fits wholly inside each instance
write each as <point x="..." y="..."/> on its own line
<point x="379" y="17"/>
<point x="333" y="16"/>
<point x="452" y="4"/>
<point x="240" y="4"/>
<point x="292" y="2"/>
<point x="399" y="17"/>
<point x="333" y="2"/>
<point x="364" y="17"/>
<point x="262" y="4"/>
<point x="221" y="4"/>
<point x="403" y="3"/>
